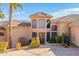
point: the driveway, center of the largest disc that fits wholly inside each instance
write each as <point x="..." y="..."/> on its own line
<point x="44" y="50"/>
<point x="59" y="50"/>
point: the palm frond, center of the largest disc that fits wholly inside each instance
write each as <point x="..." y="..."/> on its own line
<point x="1" y="14"/>
<point x="16" y="5"/>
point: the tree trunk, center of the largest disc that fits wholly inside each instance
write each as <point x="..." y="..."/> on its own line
<point x="10" y="17"/>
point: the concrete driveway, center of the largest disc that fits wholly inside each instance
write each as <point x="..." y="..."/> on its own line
<point x="59" y="50"/>
<point x="44" y="50"/>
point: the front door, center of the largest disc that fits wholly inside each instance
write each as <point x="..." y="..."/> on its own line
<point x="42" y="37"/>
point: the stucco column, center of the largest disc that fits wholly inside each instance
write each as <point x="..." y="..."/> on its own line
<point x="45" y="31"/>
<point x="37" y="28"/>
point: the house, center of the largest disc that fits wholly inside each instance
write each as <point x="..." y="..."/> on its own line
<point x="19" y="32"/>
<point x="70" y="25"/>
<point x="43" y="26"/>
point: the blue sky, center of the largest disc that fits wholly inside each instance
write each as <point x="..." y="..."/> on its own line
<point x="55" y="9"/>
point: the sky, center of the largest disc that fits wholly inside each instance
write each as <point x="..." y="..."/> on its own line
<point x="55" y="9"/>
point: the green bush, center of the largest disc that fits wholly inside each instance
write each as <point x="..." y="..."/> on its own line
<point x="58" y="39"/>
<point x="52" y="39"/>
<point x="63" y="37"/>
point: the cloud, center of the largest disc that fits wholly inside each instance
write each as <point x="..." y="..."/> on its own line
<point x="18" y="13"/>
<point x="64" y="12"/>
<point x="22" y="16"/>
<point x="74" y="9"/>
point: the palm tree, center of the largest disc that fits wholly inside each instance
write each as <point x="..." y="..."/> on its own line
<point x="12" y="7"/>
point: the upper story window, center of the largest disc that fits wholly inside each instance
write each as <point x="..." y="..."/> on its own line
<point x="34" y="23"/>
<point x="48" y="23"/>
<point x="54" y="27"/>
<point x="41" y="23"/>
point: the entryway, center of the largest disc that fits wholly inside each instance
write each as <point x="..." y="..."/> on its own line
<point x="42" y="37"/>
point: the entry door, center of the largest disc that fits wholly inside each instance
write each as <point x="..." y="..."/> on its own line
<point x="42" y="37"/>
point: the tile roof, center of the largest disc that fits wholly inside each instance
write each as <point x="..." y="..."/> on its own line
<point x="41" y="13"/>
<point x="24" y="24"/>
<point x="73" y="18"/>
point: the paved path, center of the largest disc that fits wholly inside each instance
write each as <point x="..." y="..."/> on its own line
<point x="44" y="50"/>
<point x="29" y="52"/>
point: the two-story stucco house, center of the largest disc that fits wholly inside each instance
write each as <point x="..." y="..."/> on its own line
<point x="42" y="25"/>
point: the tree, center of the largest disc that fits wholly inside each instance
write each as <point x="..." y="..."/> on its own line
<point x="12" y="7"/>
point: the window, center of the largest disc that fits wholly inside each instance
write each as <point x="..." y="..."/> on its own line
<point x="34" y="23"/>
<point x="54" y="28"/>
<point x="34" y="34"/>
<point x="1" y="34"/>
<point x="48" y="23"/>
<point x="41" y="23"/>
<point x="54" y="33"/>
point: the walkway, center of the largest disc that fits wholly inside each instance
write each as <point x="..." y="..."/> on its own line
<point x="44" y="50"/>
<point x="29" y="52"/>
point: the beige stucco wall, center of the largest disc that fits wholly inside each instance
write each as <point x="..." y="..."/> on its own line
<point x="75" y="35"/>
<point x="61" y="28"/>
<point x="18" y="32"/>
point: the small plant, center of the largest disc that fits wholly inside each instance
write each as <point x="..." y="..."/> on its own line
<point x="18" y="45"/>
<point x="63" y="38"/>
<point x="58" y="39"/>
<point x="3" y="46"/>
<point x="35" y="42"/>
<point x="52" y="39"/>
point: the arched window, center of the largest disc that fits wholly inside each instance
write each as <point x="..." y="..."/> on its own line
<point x="54" y="27"/>
<point x="48" y="23"/>
<point x="2" y="33"/>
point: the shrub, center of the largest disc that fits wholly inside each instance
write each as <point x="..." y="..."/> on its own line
<point x="58" y="39"/>
<point x="63" y="37"/>
<point x="35" y="42"/>
<point x="24" y="41"/>
<point x="18" y="45"/>
<point x="3" y="46"/>
<point x="52" y="39"/>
